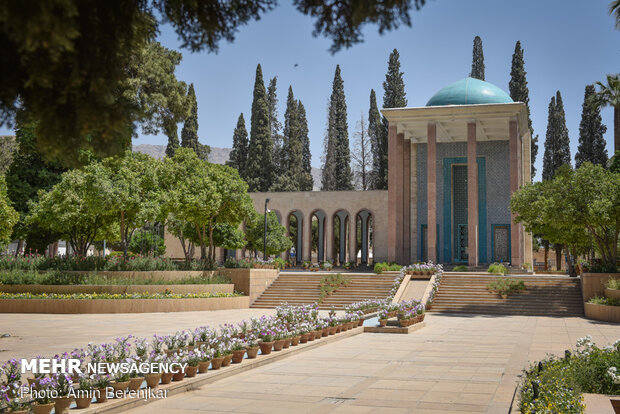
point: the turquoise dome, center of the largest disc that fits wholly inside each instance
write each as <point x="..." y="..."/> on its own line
<point x="469" y="91"/>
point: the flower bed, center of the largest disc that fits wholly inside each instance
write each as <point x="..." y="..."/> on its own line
<point x="144" y="295"/>
<point x="195" y="351"/>
<point x="556" y="384"/>
<point x="117" y="289"/>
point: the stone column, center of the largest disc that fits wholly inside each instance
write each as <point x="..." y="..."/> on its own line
<point x="321" y="245"/>
<point x="393" y="191"/>
<point x="285" y="254"/>
<point x="431" y="154"/>
<point x="352" y="238"/>
<point x="307" y="237"/>
<point x="513" y="146"/>
<point x="472" y="196"/>
<point x="413" y="204"/>
<point x="329" y="237"/>
<point x="364" y="218"/>
<point x="342" y="248"/>
<point x="406" y="202"/>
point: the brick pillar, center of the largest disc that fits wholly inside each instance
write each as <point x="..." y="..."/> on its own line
<point x="515" y="258"/>
<point x="413" y="204"/>
<point x="392" y="192"/>
<point x="406" y="202"/>
<point x="307" y="237"/>
<point x="352" y="238"/>
<point x="329" y="237"/>
<point x="431" y="153"/>
<point x="472" y="195"/>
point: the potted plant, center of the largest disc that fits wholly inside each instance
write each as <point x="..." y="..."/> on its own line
<point x="206" y="354"/>
<point x="383" y="317"/>
<point x="192" y="359"/>
<point x="17" y="405"/>
<point x="227" y="353"/>
<point x="85" y="392"/>
<point x="252" y="346"/>
<point x="238" y="350"/>
<point x="218" y="357"/>
<point x="327" y="265"/>
<point x="43" y="401"/>
<point x="153" y="378"/>
<point x="100" y="384"/>
<point x="267" y="341"/>
<point x="121" y="382"/>
<point x="63" y="388"/>
<point x="171" y="345"/>
<point x="306" y="265"/>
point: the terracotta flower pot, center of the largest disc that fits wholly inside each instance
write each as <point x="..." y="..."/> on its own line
<point x="325" y="331"/>
<point x="237" y="356"/>
<point x="252" y="351"/>
<point x="277" y="346"/>
<point x="83" y="402"/>
<point x="265" y="347"/>
<point x="203" y="366"/>
<point x="216" y="363"/>
<point x="190" y="371"/>
<point x="295" y="340"/>
<point x="120" y="386"/>
<point x="287" y="343"/>
<point x="42" y="408"/>
<point x="318" y="334"/>
<point x="360" y="322"/>
<point x="166" y="378"/>
<point x="311" y="336"/>
<point x="61" y="404"/>
<point x="338" y="328"/>
<point x="101" y="395"/>
<point x="178" y="376"/>
<point x="227" y="360"/>
<point x="382" y="322"/>
<point x="332" y="330"/>
<point x="135" y="383"/>
<point x="152" y="380"/>
<point x="303" y="338"/>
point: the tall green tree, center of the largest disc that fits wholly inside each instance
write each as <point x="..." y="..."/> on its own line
<point x="260" y="167"/>
<point x="94" y="41"/>
<point x="292" y="150"/>
<point x="239" y="154"/>
<point x="307" y="182"/>
<point x="519" y="92"/>
<point x="591" y="133"/>
<point x="609" y="95"/>
<point x="8" y="147"/>
<point x="557" y="142"/>
<point x="394" y="96"/>
<point x="361" y="156"/>
<point x="189" y="133"/>
<point x="378" y="146"/>
<point x="275" y="127"/>
<point x="8" y="215"/>
<point x="277" y="242"/>
<point x="477" y="64"/>
<point x="337" y="175"/>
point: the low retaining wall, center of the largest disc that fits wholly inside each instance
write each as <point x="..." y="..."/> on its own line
<point x="602" y="312"/>
<point x="154" y="274"/>
<point x="118" y="289"/>
<point x="121" y="305"/>
<point x="251" y="282"/>
<point x="593" y="284"/>
<point x="612" y="294"/>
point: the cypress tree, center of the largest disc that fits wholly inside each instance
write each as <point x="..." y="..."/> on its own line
<point x="378" y="146"/>
<point x="557" y="143"/>
<point x="394" y="96"/>
<point x="189" y="133"/>
<point x="519" y="92"/>
<point x="591" y="130"/>
<point x="275" y="126"/>
<point x="477" y="65"/>
<point x="337" y="173"/>
<point x="307" y="181"/>
<point x="260" y="171"/>
<point x="170" y="129"/>
<point x="239" y="154"/>
<point x="290" y="179"/>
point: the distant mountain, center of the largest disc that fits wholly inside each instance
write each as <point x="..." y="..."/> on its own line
<point x="217" y="156"/>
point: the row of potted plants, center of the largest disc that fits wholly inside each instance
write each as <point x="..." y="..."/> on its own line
<point x="407" y="312"/>
<point x="192" y="351"/>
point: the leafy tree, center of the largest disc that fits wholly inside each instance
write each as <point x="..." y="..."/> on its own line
<point x="8" y="146"/>
<point x="557" y="143"/>
<point x="185" y="232"/>
<point x="306" y="182"/>
<point x="239" y="155"/>
<point x="173" y="140"/>
<point x="477" y="64"/>
<point x="227" y="236"/>
<point x="591" y="133"/>
<point x="260" y="167"/>
<point x="394" y="96"/>
<point x="189" y="133"/>
<point x="337" y="175"/>
<point x="8" y="215"/>
<point x="75" y="89"/>
<point x="609" y="95"/>
<point x="291" y="176"/>
<point x="614" y="9"/>
<point x="275" y="126"/>
<point x="519" y="92"/>
<point x="134" y="193"/>
<point x="79" y="208"/>
<point x="145" y="242"/>
<point x="277" y="242"/>
<point x="378" y="146"/>
<point x="362" y="156"/>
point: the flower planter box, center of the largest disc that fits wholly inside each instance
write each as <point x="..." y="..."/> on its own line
<point x="602" y="312"/>
<point x="612" y="293"/>
<point x="66" y="306"/>
<point x="119" y="289"/>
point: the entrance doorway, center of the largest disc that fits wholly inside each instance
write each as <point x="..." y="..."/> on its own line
<point x="459" y="213"/>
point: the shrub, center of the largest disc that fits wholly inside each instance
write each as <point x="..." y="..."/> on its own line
<point x="498" y="269"/>
<point x="506" y="285"/>
<point x="146" y="242"/>
<point x="233" y="263"/>
<point x="460" y="268"/>
<point x="279" y="263"/>
<point x="386" y="267"/>
<point x="61" y="278"/>
<point x="613" y="284"/>
<point x="601" y="300"/>
<point x="330" y="283"/>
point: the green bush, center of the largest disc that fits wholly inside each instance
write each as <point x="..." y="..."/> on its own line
<point x="386" y="267"/>
<point x="61" y="278"/>
<point x="279" y="263"/>
<point x="506" y="285"/>
<point x="460" y="268"/>
<point x="613" y="284"/>
<point x="145" y="242"/>
<point x="497" y="269"/>
<point x="232" y="263"/>
<point x="601" y="300"/>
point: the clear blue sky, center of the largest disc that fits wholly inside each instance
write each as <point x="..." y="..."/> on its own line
<point x="568" y="44"/>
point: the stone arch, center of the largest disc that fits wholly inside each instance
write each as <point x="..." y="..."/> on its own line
<point x="297" y="235"/>
<point x="320" y="216"/>
<point x="364" y="224"/>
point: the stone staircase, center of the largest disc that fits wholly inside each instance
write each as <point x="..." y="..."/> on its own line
<point x="544" y="296"/>
<point x="304" y="288"/>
